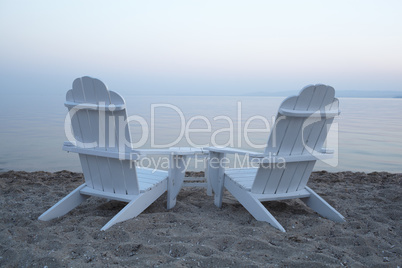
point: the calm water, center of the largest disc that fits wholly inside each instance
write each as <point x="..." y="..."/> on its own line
<point x="369" y="136"/>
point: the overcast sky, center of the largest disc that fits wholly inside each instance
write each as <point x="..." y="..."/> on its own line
<point x="194" y="46"/>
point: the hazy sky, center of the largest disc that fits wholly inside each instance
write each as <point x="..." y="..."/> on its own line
<point x="192" y="46"/>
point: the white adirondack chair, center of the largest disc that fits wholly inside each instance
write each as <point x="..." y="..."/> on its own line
<point x="101" y="137"/>
<point x="295" y="144"/>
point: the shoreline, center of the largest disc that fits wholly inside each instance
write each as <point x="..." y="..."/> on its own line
<point x="196" y="233"/>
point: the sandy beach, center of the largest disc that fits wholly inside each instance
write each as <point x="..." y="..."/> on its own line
<point x="196" y="233"/>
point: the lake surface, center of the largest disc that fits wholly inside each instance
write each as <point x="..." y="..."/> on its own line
<point x="367" y="134"/>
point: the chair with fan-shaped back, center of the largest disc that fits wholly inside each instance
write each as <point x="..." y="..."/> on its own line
<point x="101" y="137"/>
<point x="294" y="145"/>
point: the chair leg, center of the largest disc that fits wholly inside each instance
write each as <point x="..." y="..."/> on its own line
<point x="219" y="191"/>
<point x="319" y="205"/>
<point x="218" y="199"/>
<point x="208" y="181"/>
<point x="65" y="205"/>
<point x="137" y="205"/>
<point x="252" y="204"/>
<point x="216" y="176"/>
<point x="177" y="171"/>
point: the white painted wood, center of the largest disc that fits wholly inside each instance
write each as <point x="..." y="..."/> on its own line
<point x="252" y="204"/>
<point x="243" y="177"/>
<point x="216" y="171"/>
<point x="84" y="127"/>
<point x="303" y="179"/>
<point x="319" y="114"/>
<point x="297" y="139"/>
<point x="221" y="181"/>
<point x="314" y="106"/>
<point x="97" y="152"/>
<point x="213" y="169"/>
<point x="65" y="205"/>
<point x="294" y="183"/>
<point x="233" y="151"/>
<point x="137" y="205"/>
<point x="106" y="177"/>
<point x="131" y="179"/>
<point x="288" y="175"/>
<point x="295" y="123"/>
<point x="289" y="129"/>
<point x="279" y="129"/>
<point x="112" y="196"/>
<point x="171" y="151"/>
<point x="97" y="115"/>
<point x="261" y="178"/>
<point x="119" y="183"/>
<point x="97" y="107"/>
<point x="283" y="196"/>
<point x="308" y="123"/>
<point x="76" y="131"/>
<point x="95" y="173"/>
<point x="319" y="205"/>
<point x="176" y="175"/>
<point x="293" y="158"/>
<point x="85" y="170"/>
<point x="208" y="181"/>
<point x="273" y="180"/>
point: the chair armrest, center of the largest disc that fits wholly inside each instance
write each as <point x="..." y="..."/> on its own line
<point x="319" y="113"/>
<point x="172" y="151"/>
<point x="71" y="147"/>
<point x="273" y="159"/>
<point x="92" y="106"/>
<point x="134" y="153"/>
<point x="234" y="151"/>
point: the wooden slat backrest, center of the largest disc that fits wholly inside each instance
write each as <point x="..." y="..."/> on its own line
<point x="103" y="130"/>
<point x="296" y="135"/>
